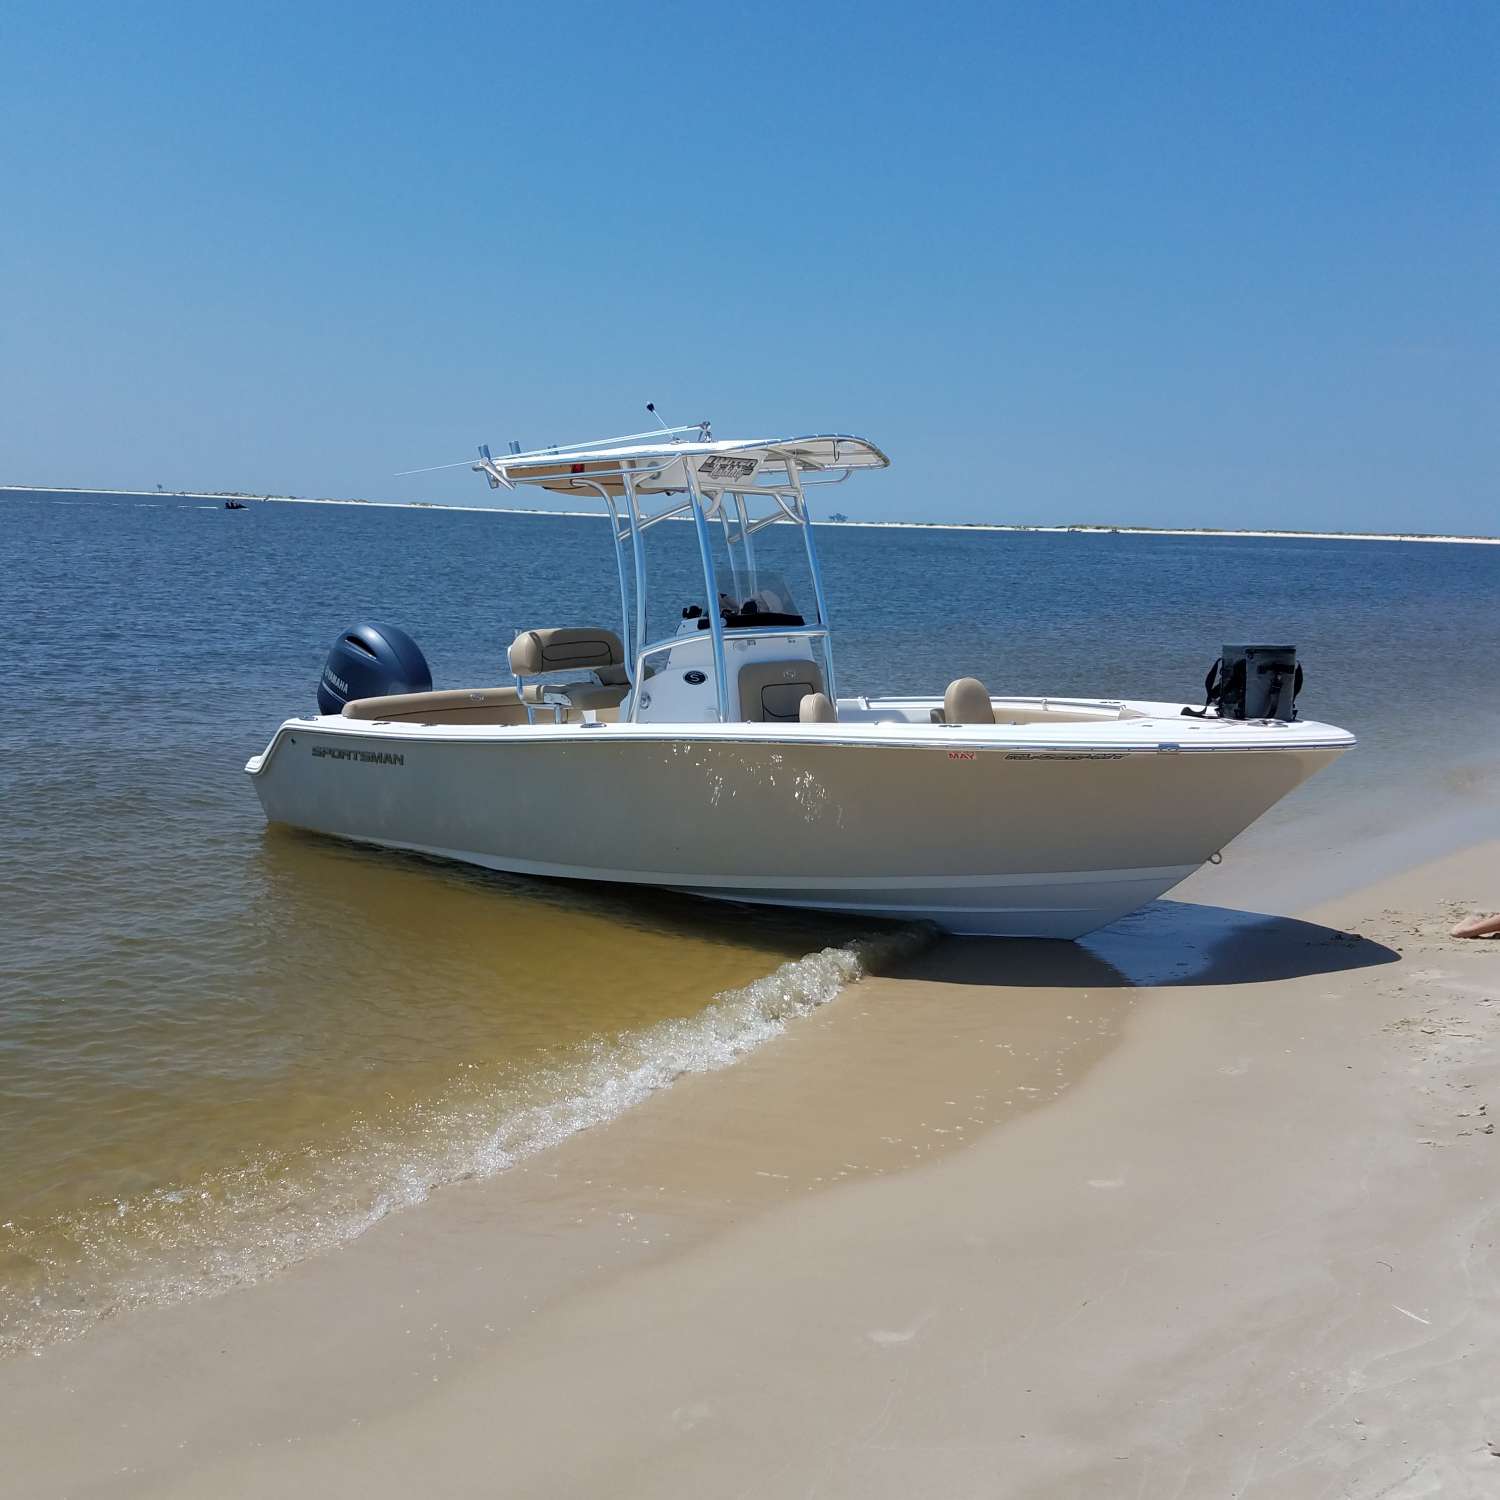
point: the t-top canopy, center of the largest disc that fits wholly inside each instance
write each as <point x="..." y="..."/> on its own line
<point x="742" y="464"/>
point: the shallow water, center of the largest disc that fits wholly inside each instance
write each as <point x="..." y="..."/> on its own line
<point x="223" y="1046"/>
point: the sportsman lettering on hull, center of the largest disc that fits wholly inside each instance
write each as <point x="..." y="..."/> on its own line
<point x="376" y="757"/>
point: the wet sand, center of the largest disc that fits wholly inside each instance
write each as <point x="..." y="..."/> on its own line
<point x="1206" y="1206"/>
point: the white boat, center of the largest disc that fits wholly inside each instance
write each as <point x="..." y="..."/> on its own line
<point x="720" y="756"/>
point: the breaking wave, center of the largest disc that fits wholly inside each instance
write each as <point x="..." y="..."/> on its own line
<point x="61" y="1276"/>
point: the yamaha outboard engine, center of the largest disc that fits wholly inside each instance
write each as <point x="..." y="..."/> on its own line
<point x="371" y="661"/>
<point x="1253" y="682"/>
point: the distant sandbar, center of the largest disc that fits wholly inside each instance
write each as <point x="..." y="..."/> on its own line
<point x="1079" y="528"/>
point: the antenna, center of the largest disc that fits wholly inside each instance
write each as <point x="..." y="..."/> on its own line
<point x="463" y="463"/>
<point x="705" y="429"/>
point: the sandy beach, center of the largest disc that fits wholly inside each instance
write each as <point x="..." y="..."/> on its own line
<point x="1203" y="1206"/>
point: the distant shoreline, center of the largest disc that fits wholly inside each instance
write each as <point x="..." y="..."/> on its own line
<point x="1083" y="528"/>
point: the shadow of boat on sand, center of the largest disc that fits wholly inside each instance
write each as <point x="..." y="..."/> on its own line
<point x="1166" y="943"/>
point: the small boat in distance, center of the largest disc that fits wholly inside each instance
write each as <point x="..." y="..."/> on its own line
<point x="234" y="505"/>
<point x="715" y="752"/>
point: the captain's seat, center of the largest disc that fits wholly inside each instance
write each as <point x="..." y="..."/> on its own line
<point x="542" y="659"/>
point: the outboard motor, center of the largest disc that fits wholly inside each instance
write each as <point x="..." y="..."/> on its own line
<point x="371" y="661"/>
<point x="1253" y="682"/>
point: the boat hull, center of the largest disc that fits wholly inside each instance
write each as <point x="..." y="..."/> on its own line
<point x="980" y="838"/>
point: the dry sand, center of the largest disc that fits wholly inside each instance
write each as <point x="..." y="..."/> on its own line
<point x="1206" y="1207"/>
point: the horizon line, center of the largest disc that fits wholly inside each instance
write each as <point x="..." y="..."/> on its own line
<point x="1085" y="528"/>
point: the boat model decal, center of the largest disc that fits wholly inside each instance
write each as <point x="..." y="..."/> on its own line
<point x="1065" y="754"/>
<point x="726" y="466"/>
<point x="373" y="757"/>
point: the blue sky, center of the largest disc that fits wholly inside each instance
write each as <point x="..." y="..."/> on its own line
<point x="1172" y="264"/>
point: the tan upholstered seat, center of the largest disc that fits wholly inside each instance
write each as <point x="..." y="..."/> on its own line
<point x="571" y="648"/>
<point x="580" y="694"/>
<point x="499" y="705"/>
<point x="817" y="708"/>
<point x="772" y="691"/>
<point x="495" y="705"/>
<point x="567" y="648"/>
<point x="967" y="701"/>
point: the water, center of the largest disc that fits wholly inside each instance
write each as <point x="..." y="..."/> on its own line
<point x="223" y="1047"/>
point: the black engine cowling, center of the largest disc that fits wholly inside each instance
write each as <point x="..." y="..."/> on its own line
<point x="371" y="661"/>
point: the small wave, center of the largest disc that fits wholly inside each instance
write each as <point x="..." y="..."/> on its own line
<point x="60" y="1277"/>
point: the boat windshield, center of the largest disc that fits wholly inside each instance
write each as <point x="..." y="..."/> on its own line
<point x="758" y="603"/>
<point x="765" y="583"/>
<point x="770" y="594"/>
